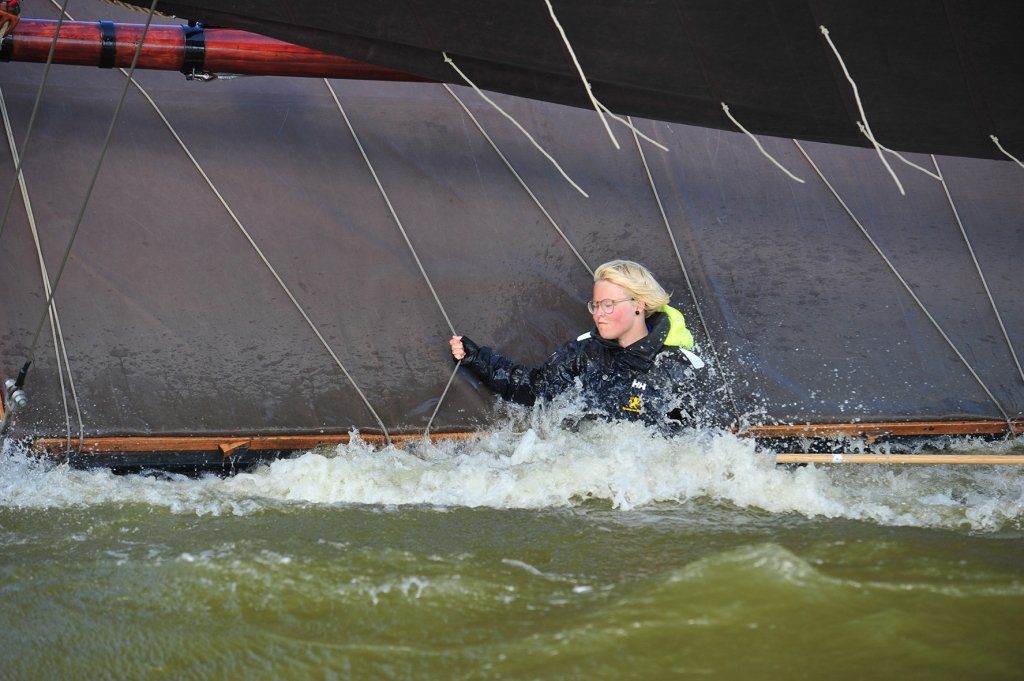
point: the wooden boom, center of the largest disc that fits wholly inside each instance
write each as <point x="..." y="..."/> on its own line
<point x="190" y="50"/>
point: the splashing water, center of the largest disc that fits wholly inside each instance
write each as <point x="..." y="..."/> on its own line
<point x="621" y="464"/>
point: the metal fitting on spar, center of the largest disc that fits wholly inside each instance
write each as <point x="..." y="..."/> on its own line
<point x="15" y="398"/>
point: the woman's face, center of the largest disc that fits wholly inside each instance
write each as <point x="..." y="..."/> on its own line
<point x="623" y="318"/>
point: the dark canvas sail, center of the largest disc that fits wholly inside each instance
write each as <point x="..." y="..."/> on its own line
<point x="936" y="77"/>
<point x="173" y="325"/>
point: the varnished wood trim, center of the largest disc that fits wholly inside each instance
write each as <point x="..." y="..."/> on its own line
<point x="228" y="444"/>
<point x="943" y="459"/>
<point x="225" y="445"/>
<point x="987" y="427"/>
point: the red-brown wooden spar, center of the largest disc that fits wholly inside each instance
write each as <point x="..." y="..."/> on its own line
<point x="191" y="50"/>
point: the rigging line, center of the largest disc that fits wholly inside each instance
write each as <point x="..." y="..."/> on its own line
<point x="533" y="196"/>
<point x="904" y="282"/>
<point x="725" y="108"/>
<point x="898" y="154"/>
<point x="92" y="182"/>
<point x="860" y="107"/>
<point x="1008" y="154"/>
<point x="686" y="274"/>
<point x="977" y="265"/>
<point x="583" y="77"/>
<point x="32" y="116"/>
<point x="549" y="157"/>
<point x="55" y="329"/>
<point x="401" y="228"/>
<point x="259" y="252"/>
<point x="391" y="208"/>
<point x="632" y="127"/>
<point x="522" y="182"/>
<point x="426" y="431"/>
<point x="264" y="259"/>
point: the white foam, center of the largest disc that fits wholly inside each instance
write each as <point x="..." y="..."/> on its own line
<point x="623" y="464"/>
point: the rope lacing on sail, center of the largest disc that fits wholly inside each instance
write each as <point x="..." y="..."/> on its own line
<point x="686" y="277"/>
<point x="906" y="285"/>
<point x="897" y="154"/>
<point x="405" y="236"/>
<point x="977" y="265"/>
<point x="579" y="69"/>
<point x="860" y="107"/>
<point x="59" y="346"/>
<point x="448" y="60"/>
<point x="1010" y="156"/>
<point x="522" y="182"/>
<point x="725" y="108"/>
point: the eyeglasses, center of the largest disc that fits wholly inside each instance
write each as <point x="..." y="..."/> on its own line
<point x="607" y="305"/>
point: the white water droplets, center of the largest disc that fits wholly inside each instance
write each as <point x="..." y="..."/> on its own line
<point x="622" y="465"/>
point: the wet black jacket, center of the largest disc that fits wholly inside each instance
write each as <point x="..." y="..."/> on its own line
<point x="647" y="381"/>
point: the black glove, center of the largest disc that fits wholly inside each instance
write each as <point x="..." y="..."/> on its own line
<point x="471" y="348"/>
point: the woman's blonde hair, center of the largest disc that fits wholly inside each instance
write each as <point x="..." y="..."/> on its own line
<point x="636" y="279"/>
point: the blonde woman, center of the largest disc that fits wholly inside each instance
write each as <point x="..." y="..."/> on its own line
<point x="634" y="364"/>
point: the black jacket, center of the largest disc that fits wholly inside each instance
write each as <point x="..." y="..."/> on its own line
<point x="647" y="381"/>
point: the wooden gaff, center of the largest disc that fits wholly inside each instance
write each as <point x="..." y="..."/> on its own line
<point x="182" y="48"/>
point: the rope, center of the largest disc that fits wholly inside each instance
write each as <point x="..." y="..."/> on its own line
<point x="521" y="181"/>
<point x="259" y="252"/>
<point x="1008" y="154"/>
<point x="32" y="117"/>
<point x="686" y="274"/>
<point x="583" y="77"/>
<point x="977" y="266"/>
<point x="426" y="431"/>
<point x="725" y="108"/>
<point x="904" y="282"/>
<point x="629" y="125"/>
<point x="92" y="183"/>
<point x="448" y="60"/>
<point x="896" y="153"/>
<point x="55" y="329"/>
<point x="405" y="236"/>
<point x="860" y="107"/>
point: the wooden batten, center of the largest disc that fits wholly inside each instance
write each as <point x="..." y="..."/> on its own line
<point x="898" y="428"/>
<point x="227" y="445"/>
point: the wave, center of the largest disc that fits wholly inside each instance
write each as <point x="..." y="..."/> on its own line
<point x="622" y="465"/>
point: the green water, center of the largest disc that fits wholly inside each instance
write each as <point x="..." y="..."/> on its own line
<point x="281" y="574"/>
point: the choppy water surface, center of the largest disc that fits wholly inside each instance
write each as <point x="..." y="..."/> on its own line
<point x="603" y="554"/>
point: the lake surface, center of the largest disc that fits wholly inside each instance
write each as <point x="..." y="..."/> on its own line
<point x="543" y="554"/>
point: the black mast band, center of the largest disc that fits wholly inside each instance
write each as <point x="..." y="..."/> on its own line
<point x="194" y="60"/>
<point x="108" y="45"/>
